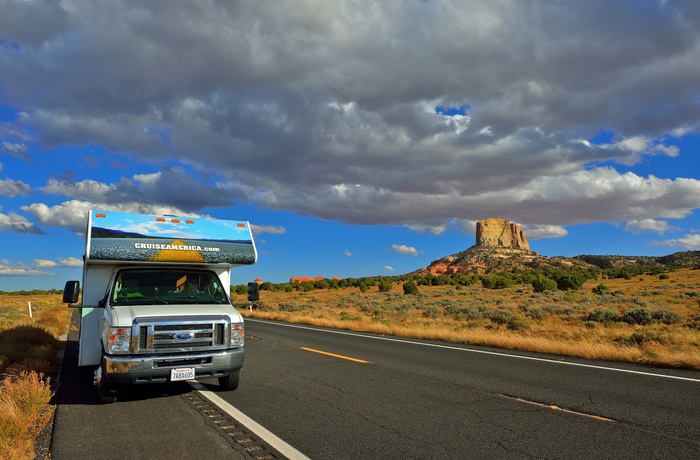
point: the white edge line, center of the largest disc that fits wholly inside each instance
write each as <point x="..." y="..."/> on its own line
<point x="266" y="435"/>
<point x="485" y="352"/>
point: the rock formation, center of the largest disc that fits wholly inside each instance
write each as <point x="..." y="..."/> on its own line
<point x="500" y="247"/>
<point x="304" y="279"/>
<point x="500" y="233"/>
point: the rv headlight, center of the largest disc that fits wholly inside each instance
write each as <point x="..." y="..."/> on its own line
<point x="237" y="335"/>
<point x="118" y="340"/>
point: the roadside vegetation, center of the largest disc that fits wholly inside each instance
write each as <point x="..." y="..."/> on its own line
<point x="646" y="315"/>
<point x="28" y="358"/>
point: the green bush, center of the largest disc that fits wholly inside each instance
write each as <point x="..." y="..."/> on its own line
<point x="603" y="315"/>
<point x="570" y="280"/>
<point x="541" y="284"/>
<point x="496" y="282"/>
<point x="646" y="335"/>
<point x="600" y="289"/>
<point x="410" y="288"/>
<point x="640" y="316"/>
<point x="385" y="285"/>
<point x="666" y="317"/>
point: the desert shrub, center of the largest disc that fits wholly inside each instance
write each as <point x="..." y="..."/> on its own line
<point x="410" y="288"/>
<point x="500" y="316"/>
<point x="640" y="316"/>
<point x="292" y="307"/>
<point x="663" y="276"/>
<point x="431" y="312"/>
<point x="666" y="317"/>
<point x="385" y="285"/>
<point x="536" y="313"/>
<point x="569" y="279"/>
<point x="603" y="315"/>
<point x="496" y="282"/>
<point x="469" y="313"/>
<point x="590" y="324"/>
<point x="516" y="323"/>
<point x="541" y="284"/>
<point x="24" y="411"/>
<point x="29" y="345"/>
<point x="647" y="335"/>
<point x="345" y="316"/>
<point x="601" y="289"/>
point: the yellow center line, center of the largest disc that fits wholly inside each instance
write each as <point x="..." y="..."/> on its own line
<point x="553" y="407"/>
<point x="336" y="356"/>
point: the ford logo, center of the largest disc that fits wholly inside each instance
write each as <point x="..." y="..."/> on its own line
<point x="183" y="336"/>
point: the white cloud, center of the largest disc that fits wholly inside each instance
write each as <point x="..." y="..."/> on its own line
<point x="18" y="150"/>
<point x="687" y="243"/>
<point x="11" y="188"/>
<point x="348" y="253"/>
<point x="62" y="262"/>
<point x="16" y="223"/>
<point x="389" y="268"/>
<point x="6" y="269"/>
<point x="647" y="225"/>
<point x="260" y="229"/>
<point x="403" y="249"/>
<point x="70" y="262"/>
<point x="42" y="263"/>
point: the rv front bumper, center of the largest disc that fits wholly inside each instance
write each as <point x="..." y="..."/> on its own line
<point x="154" y="369"/>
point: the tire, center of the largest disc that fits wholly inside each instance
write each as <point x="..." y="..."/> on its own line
<point x="230" y="382"/>
<point x="106" y="393"/>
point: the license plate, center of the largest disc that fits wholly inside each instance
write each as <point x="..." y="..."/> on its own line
<point x="186" y="373"/>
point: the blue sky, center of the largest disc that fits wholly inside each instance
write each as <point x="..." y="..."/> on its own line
<point x="358" y="138"/>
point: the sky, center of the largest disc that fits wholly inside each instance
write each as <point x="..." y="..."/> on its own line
<point x="359" y="138"/>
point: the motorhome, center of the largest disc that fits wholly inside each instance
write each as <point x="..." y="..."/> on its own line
<point x="156" y="304"/>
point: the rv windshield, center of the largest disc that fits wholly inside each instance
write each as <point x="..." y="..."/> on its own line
<point x="167" y="286"/>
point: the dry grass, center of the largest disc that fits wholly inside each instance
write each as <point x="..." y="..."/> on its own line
<point x="28" y="353"/>
<point x="517" y="318"/>
<point x="24" y="411"/>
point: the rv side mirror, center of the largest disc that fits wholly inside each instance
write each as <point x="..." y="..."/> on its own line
<point x="253" y="292"/>
<point x="71" y="292"/>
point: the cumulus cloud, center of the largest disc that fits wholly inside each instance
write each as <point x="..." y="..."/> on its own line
<point x="16" y="150"/>
<point x="648" y="225"/>
<point x="73" y="214"/>
<point x="690" y="242"/>
<point x="6" y="269"/>
<point x="403" y="249"/>
<point x="260" y="229"/>
<point x="62" y="262"/>
<point x="347" y="253"/>
<point x="171" y="187"/>
<point x="13" y="222"/>
<point x="70" y="262"/>
<point x="11" y="188"/>
<point x="329" y="108"/>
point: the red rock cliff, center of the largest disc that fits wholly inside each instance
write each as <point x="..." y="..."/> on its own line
<point x="500" y="233"/>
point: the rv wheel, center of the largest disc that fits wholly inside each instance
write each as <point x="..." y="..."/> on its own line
<point x="229" y="382"/>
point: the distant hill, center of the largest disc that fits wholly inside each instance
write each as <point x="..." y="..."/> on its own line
<point x="486" y="259"/>
<point x="501" y="246"/>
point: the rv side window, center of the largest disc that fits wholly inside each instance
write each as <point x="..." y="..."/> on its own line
<point x="167" y="286"/>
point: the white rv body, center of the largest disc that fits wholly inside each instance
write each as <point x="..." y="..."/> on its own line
<point x="156" y="299"/>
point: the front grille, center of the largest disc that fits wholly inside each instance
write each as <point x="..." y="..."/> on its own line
<point x="180" y="334"/>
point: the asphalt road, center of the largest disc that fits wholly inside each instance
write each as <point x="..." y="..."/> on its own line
<point x="336" y="395"/>
<point x="417" y="399"/>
